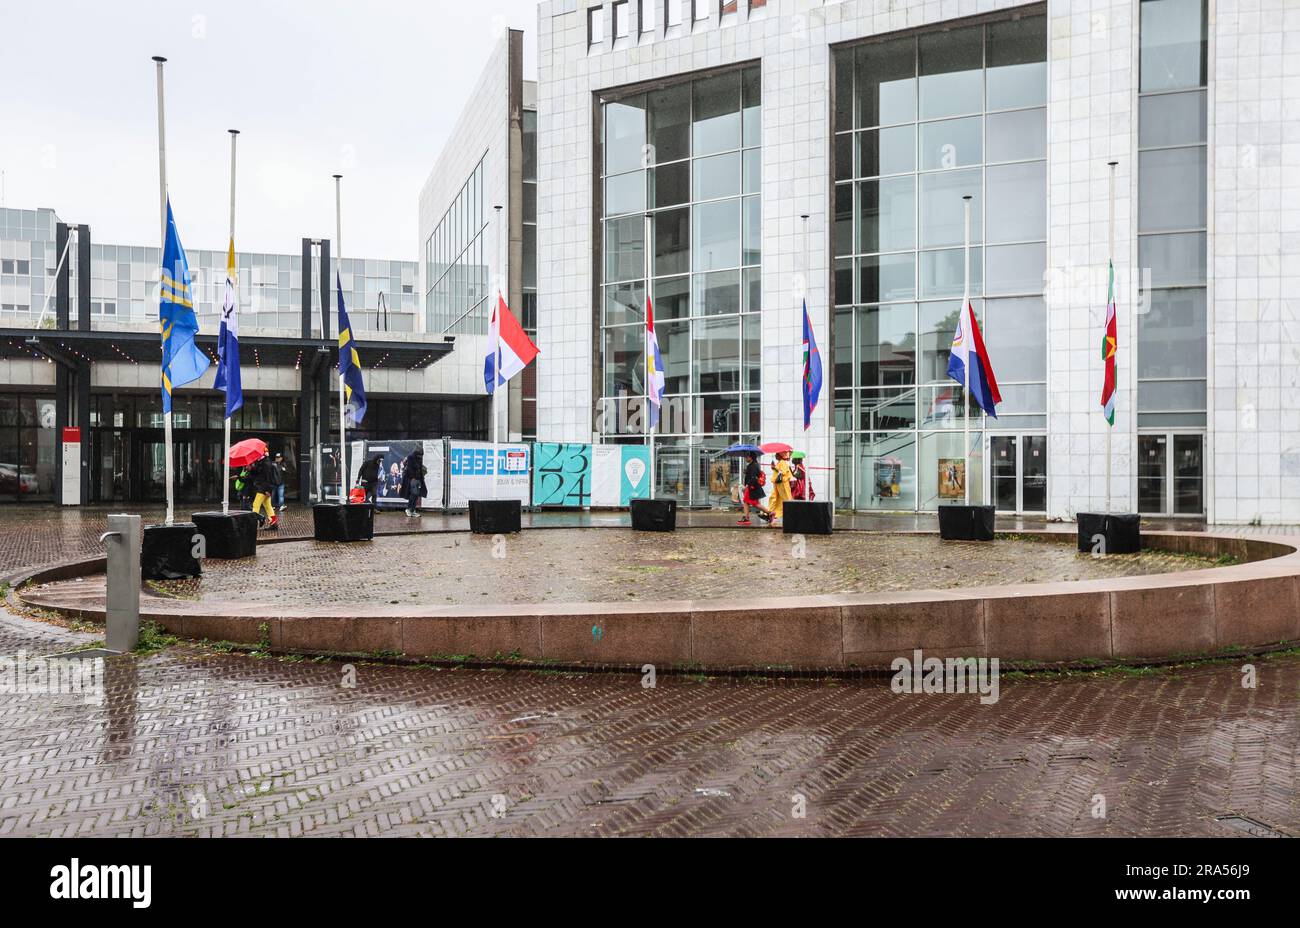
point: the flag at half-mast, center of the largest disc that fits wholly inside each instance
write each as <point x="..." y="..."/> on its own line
<point x="354" y="388"/>
<point x="1109" y="343"/>
<point x="182" y="360"/>
<point x="968" y="354"/>
<point x="812" y="370"/>
<point x="510" y="349"/>
<point x="654" y="365"/>
<point x="227" y="379"/>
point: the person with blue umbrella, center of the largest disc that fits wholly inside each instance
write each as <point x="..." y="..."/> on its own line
<point x="751" y="491"/>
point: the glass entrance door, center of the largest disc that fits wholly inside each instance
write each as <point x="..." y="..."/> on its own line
<point x="1003" y="467"/>
<point x="1018" y="473"/>
<point x="1171" y="474"/>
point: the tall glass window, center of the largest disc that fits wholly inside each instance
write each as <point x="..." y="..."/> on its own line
<point x="1172" y="190"/>
<point x="921" y="122"/>
<point x="681" y="215"/>
<point x="456" y="263"/>
<point x="528" y="319"/>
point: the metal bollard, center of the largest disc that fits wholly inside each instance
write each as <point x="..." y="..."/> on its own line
<point x="122" y="602"/>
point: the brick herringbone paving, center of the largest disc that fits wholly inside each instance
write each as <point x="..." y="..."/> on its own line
<point x="196" y="742"/>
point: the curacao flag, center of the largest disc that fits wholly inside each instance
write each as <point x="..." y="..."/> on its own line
<point x="968" y="355"/>
<point x="510" y="349"/>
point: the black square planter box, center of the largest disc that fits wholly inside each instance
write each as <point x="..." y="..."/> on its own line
<point x="1120" y="532"/>
<point x="350" y="522"/>
<point x="804" y="518"/>
<point x="966" y="523"/>
<point x="227" y="535"/>
<point x="495" y="516"/>
<point x="654" y="515"/>
<point x="167" y="552"/>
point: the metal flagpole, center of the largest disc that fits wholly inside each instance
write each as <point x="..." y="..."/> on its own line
<point x="646" y="430"/>
<point x="967" y="342"/>
<point x="496" y="356"/>
<point x="162" y="246"/>
<point x="225" y="484"/>
<point x="338" y="251"/>
<point x="1110" y="428"/>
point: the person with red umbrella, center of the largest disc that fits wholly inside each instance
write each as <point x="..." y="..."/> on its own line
<point x="252" y="455"/>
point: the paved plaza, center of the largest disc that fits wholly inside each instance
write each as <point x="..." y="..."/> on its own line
<point x="608" y="565"/>
<point x="193" y="741"/>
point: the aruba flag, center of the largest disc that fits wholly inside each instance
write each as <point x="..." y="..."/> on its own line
<point x="182" y="361"/>
<point x="968" y="355"/>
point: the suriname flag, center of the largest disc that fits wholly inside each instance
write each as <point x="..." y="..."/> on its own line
<point x="1109" y="342"/>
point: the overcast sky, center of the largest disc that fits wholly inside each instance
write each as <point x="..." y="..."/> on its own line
<point x="370" y="90"/>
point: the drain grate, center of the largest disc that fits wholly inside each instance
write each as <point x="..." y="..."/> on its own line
<point x="1250" y="826"/>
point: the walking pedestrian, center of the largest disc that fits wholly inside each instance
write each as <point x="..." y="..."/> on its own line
<point x="800" y="485"/>
<point x="368" y="476"/>
<point x="751" y="494"/>
<point x="243" y="484"/>
<point x="413" y="473"/>
<point x="277" y="476"/>
<point x="263" y="486"/>
<point x="781" y="476"/>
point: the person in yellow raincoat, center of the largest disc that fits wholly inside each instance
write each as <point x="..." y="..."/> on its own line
<point x="781" y="479"/>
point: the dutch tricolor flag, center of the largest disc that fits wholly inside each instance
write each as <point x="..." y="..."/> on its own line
<point x="510" y="350"/>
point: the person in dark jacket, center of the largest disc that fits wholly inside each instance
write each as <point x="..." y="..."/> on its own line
<point x="368" y="476"/>
<point x="264" y="486"/>
<point x="413" y="481"/>
<point x="277" y="475"/>
<point x="751" y="494"/>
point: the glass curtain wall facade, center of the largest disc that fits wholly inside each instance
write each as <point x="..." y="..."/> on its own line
<point x="921" y="121"/>
<point x="456" y="257"/>
<point x="681" y="166"/>
<point x="1172" y="328"/>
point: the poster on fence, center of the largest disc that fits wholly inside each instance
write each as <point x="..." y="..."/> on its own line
<point x="470" y="467"/>
<point x="561" y="474"/>
<point x="388" y="482"/>
<point x="619" y="474"/>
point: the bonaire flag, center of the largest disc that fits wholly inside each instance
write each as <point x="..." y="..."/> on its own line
<point x="227" y="378"/>
<point x="510" y="351"/>
<point x="654" y="365"/>
<point x="182" y="361"/>
<point x="354" y="388"/>
<point x="969" y="356"/>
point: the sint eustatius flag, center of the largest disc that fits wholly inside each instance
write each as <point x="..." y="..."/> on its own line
<point x="654" y="365"/>
<point x="354" y="388"/>
<point x="510" y="349"/>
<point x="968" y="355"/>
<point x="227" y="379"/>
<point x="1109" y="342"/>
<point x="812" y="370"/>
<point x="182" y="361"/>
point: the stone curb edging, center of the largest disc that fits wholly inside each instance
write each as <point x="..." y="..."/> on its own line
<point x="1239" y="609"/>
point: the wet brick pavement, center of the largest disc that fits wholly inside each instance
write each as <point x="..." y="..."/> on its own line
<point x="195" y="742"/>
<point x="610" y="565"/>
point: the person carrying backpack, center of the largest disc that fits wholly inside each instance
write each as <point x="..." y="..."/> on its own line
<point x="752" y="493"/>
<point x="264" y="487"/>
